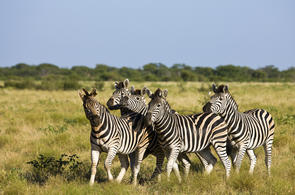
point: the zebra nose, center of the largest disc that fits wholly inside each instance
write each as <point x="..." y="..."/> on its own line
<point x="207" y="107"/>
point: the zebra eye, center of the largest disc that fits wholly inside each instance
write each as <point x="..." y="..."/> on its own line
<point x="137" y="98"/>
<point x="158" y="105"/>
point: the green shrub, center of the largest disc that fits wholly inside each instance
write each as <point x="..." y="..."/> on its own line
<point x="50" y="85"/>
<point x="66" y="166"/>
<point x="71" y="84"/>
<point x="23" y="84"/>
<point x="99" y="85"/>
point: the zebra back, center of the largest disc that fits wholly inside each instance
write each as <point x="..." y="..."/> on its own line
<point x="257" y="125"/>
<point x="192" y="132"/>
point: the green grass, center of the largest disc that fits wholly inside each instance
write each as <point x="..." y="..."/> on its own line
<point x="53" y="123"/>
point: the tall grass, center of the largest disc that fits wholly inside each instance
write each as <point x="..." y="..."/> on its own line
<point x="52" y="123"/>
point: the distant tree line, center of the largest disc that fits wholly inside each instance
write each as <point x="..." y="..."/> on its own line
<point x="64" y="77"/>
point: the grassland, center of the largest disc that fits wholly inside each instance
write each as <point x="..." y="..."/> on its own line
<point x="53" y="123"/>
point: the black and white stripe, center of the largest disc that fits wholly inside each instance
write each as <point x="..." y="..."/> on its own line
<point x="137" y="119"/>
<point x="247" y="130"/>
<point x="178" y="133"/>
<point x="113" y="135"/>
<point x="136" y="103"/>
<point x="148" y="143"/>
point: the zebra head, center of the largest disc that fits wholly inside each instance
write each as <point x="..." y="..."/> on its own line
<point x="135" y="101"/>
<point x="91" y="106"/>
<point x="218" y="102"/>
<point x="121" y="90"/>
<point x="157" y="106"/>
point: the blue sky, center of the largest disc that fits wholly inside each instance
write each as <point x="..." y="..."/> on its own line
<point x="133" y="33"/>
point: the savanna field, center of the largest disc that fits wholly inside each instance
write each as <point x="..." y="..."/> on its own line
<point x="44" y="125"/>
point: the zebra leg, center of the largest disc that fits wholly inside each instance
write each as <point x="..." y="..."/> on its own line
<point x="160" y="156"/>
<point x="252" y="158"/>
<point x="94" y="162"/>
<point x="186" y="163"/>
<point x="267" y="150"/>
<point x="138" y="160"/>
<point x="124" y="166"/>
<point x="221" y="151"/>
<point x="207" y="159"/>
<point x="172" y="164"/>
<point x="231" y="150"/>
<point x="240" y="156"/>
<point x="132" y="162"/>
<point x="108" y="162"/>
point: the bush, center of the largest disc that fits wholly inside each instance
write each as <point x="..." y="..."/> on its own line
<point x="99" y="85"/>
<point x="24" y="84"/>
<point x="50" y="85"/>
<point x="71" y="84"/>
<point x="68" y="167"/>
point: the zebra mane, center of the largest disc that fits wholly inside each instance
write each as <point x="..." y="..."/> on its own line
<point x="221" y="89"/>
<point x="233" y="101"/>
<point x="167" y="106"/>
<point x="136" y="92"/>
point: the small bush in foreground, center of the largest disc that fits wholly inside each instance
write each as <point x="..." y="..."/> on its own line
<point x="68" y="167"/>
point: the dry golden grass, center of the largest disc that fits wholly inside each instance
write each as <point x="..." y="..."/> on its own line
<point x="27" y="118"/>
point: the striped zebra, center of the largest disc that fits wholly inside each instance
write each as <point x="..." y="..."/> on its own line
<point x="136" y="102"/>
<point x="247" y="130"/>
<point x="137" y="118"/>
<point x="113" y="135"/>
<point x="178" y="133"/>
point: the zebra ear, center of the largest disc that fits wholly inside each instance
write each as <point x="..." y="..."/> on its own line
<point x="93" y="93"/>
<point x="81" y="95"/>
<point x="225" y="89"/>
<point x="116" y="84"/>
<point x="86" y="92"/>
<point x="159" y="93"/>
<point x="126" y="83"/>
<point x="132" y="90"/>
<point x="148" y="92"/>
<point x="165" y="93"/>
<point x="214" y="88"/>
<point x="143" y="91"/>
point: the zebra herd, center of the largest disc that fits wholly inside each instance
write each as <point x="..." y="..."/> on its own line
<point x="156" y="129"/>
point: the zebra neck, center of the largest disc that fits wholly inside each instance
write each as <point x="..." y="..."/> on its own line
<point x="232" y="117"/>
<point x="143" y="110"/>
<point x="125" y="112"/>
<point x="99" y="120"/>
<point x="161" y="123"/>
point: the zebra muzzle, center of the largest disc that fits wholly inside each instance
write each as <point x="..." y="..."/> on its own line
<point x="111" y="104"/>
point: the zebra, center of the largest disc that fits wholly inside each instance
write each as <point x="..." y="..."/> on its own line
<point x="193" y="133"/>
<point x="111" y="134"/>
<point x="247" y="130"/>
<point x="137" y="118"/>
<point x="136" y="103"/>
